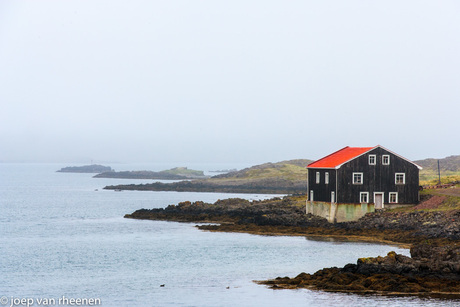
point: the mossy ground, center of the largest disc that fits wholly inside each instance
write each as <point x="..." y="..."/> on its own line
<point x="184" y="171"/>
<point x="431" y="177"/>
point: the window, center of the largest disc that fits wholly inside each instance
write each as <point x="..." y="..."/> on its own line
<point x="311" y="195"/>
<point x="386" y="160"/>
<point x="400" y="178"/>
<point x="393" y="197"/>
<point x="318" y="177"/>
<point x="326" y="178"/>
<point x="357" y="178"/>
<point x="332" y="197"/>
<point x="364" y="197"/>
<point x="372" y="159"/>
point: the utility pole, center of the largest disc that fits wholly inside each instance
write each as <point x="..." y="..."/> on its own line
<point x="439" y="173"/>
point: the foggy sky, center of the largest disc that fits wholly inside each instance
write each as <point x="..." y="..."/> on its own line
<point x="227" y="81"/>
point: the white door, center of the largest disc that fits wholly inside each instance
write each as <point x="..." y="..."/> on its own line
<point x="378" y="200"/>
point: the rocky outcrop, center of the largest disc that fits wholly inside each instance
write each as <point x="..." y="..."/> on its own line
<point x="429" y="224"/>
<point x="273" y="212"/>
<point x="431" y="270"/>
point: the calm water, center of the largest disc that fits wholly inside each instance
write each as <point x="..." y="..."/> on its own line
<point x="62" y="235"/>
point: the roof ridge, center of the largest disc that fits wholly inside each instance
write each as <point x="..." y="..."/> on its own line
<point x="337" y="159"/>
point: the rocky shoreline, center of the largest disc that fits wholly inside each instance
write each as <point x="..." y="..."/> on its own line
<point x="433" y="236"/>
<point x="431" y="270"/>
<point x="287" y="216"/>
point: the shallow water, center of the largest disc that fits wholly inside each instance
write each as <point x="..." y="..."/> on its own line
<point x="61" y="237"/>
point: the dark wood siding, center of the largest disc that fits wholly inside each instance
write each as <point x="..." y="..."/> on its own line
<point x="378" y="178"/>
<point x="322" y="191"/>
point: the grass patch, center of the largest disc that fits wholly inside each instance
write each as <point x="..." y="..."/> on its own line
<point x="184" y="171"/>
<point x="430" y="177"/>
<point x="286" y="171"/>
<point x="451" y="203"/>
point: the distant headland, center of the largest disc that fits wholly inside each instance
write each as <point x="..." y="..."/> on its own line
<point x="94" y="168"/>
<point x="177" y="173"/>
<point x="286" y="177"/>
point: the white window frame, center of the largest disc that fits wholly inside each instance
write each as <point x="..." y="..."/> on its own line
<point x="333" y="200"/>
<point x="311" y="195"/>
<point x="326" y="178"/>
<point x="366" y="194"/>
<point x="361" y="177"/>
<point x="374" y="158"/>
<point x="403" y="178"/>
<point x="385" y="157"/>
<point x="318" y="177"/>
<point x="395" y="194"/>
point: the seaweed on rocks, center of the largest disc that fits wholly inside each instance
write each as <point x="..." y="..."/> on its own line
<point x="274" y="212"/>
<point x="392" y="274"/>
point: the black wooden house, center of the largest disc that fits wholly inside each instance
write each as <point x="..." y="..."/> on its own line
<point x="364" y="175"/>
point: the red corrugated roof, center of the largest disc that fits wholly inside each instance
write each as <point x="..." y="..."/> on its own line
<point x="339" y="157"/>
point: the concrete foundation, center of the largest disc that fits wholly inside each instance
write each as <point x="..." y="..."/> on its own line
<point x="336" y="213"/>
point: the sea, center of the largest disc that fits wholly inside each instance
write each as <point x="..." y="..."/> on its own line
<point x="64" y="242"/>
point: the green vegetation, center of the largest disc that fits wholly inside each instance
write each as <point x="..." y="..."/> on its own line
<point x="450" y="203"/>
<point x="449" y="166"/>
<point x="287" y="171"/>
<point x="431" y="177"/>
<point x="292" y="170"/>
<point x="184" y="171"/>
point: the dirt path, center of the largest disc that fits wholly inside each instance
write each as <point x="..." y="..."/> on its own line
<point x="431" y="203"/>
